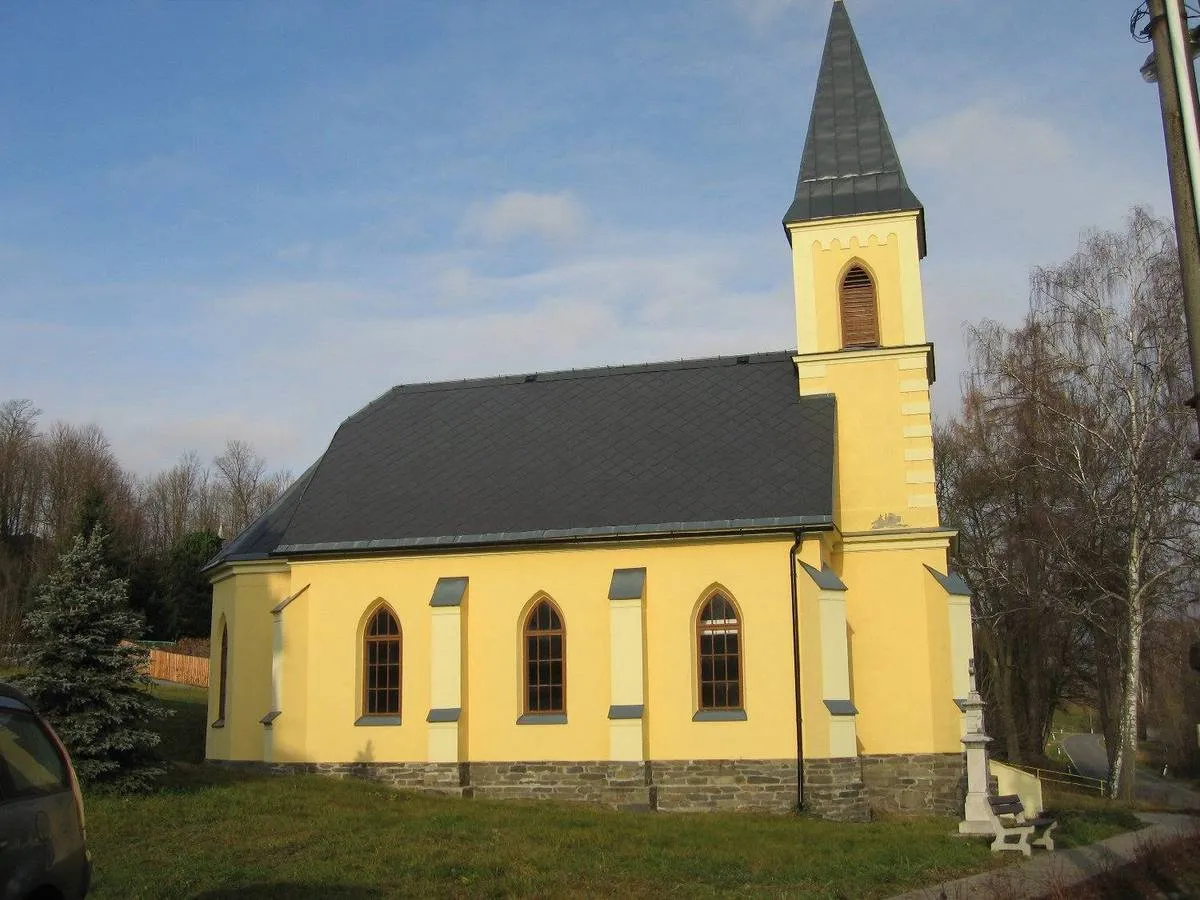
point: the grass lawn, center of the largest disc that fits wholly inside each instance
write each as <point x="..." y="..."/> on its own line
<point x="1086" y="818"/>
<point x="210" y="833"/>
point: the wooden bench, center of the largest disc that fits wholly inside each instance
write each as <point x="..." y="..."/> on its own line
<point x="1009" y="821"/>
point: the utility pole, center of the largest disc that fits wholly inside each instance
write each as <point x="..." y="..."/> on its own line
<point x="1172" y="96"/>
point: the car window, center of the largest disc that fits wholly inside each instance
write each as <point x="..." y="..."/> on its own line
<point x="30" y="764"/>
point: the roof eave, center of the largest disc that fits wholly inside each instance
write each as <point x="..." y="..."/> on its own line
<point x="776" y="525"/>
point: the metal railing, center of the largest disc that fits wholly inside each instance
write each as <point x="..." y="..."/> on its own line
<point x="1069" y="779"/>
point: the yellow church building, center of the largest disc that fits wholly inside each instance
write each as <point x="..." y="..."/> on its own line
<point x="711" y="584"/>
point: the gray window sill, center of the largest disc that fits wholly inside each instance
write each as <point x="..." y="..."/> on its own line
<point x="270" y="717"/>
<point x="720" y="715"/>
<point x="841" y="708"/>
<point x="626" y="711"/>
<point x="543" y="719"/>
<point x="377" y="720"/>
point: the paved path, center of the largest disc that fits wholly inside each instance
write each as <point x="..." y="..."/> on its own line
<point x="1087" y="754"/>
<point x="1153" y="788"/>
<point x="1089" y="758"/>
<point x="1052" y="873"/>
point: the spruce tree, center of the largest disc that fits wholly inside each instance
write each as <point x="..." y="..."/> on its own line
<point x="84" y="676"/>
<point x="186" y="587"/>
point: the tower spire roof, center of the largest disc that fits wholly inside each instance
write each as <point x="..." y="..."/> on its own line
<point x="850" y="165"/>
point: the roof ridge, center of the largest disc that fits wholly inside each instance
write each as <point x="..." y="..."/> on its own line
<point x="705" y="362"/>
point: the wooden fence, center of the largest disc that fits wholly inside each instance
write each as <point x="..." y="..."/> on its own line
<point x="176" y="667"/>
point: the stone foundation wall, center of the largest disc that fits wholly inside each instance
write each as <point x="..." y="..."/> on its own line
<point x="916" y="783"/>
<point x="833" y="790"/>
<point x="689" y="785"/>
<point x="763" y="785"/>
<point x="430" y="778"/>
<point x="837" y="789"/>
<point x="622" y="785"/>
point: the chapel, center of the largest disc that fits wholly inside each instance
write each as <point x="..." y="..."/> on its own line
<point x="710" y="584"/>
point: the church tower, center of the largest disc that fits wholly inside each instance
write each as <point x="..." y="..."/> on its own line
<point x="896" y="636"/>
<point x="857" y="233"/>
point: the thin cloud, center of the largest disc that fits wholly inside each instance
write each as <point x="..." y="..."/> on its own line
<point x="760" y="14"/>
<point x="551" y="217"/>
<point x="986" y="136"/>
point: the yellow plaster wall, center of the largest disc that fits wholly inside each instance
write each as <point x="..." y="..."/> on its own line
<point x="755" y="575"/>
<point x="884" y="434"/>
<point x="1014" y="781"/>
<point x="244" y="600"/>
<point x="898" y="626"/>
<point x="322" y="636"/>
<point x="503" y="585"/>
<point x="340" y="598"/>
<point x="884" y="445"/>
<point x="900" y="643"/>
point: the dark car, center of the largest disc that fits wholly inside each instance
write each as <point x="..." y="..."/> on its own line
<point x="43" y="850"/>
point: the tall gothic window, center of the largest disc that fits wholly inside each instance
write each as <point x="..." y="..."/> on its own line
<point x="545" y="660"/>
<point x="719" y="637"/>
<point x="860" y="314"/>
<point x="382" y="664"/>
<point x="223" y="673"/>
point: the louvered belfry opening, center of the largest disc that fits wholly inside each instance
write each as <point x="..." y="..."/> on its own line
<point x="860" y="317"/>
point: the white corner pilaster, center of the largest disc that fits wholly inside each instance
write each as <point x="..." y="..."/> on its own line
<point x="277" y="645"/>
<point x="962" y="640"/>
<point x="962" y="651"/>
<point x="835" y="662"/>
<point x="626" y="597"/>
<point x="276" y="685"/>
<point x="445" y="669"/>
<point x="835" y="674"/>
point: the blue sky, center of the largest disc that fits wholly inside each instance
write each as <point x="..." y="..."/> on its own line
<point x="247" y="219"/>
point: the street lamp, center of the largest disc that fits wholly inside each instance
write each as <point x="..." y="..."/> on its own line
<point x="1149" y="68"/>
<point x="1170" y="65"/>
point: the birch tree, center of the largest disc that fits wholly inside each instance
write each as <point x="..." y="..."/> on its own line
<point x="1100" y="366"/>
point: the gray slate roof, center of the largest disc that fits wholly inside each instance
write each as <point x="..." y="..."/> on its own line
<point x="696" y="446"/>
<point x="850" y="165"/>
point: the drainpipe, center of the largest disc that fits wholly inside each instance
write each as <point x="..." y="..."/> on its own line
<point x="796" y="669"/>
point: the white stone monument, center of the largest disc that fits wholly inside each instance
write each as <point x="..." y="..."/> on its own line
<point x="977" y="815"/>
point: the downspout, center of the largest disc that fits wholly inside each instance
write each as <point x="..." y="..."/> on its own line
<point x="796" y="669"/>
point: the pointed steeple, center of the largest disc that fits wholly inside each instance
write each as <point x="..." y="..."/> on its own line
<point x="850" y="165"/>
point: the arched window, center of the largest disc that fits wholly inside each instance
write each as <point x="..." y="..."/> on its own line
<point x="222" y="674"/>
<point x="382" y="664"/>
<point x="545" y="660"/>
<point x="860" y="316"/>
<point x="720" y="654"/>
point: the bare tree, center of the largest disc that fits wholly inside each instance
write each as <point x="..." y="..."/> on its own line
<point x="244" y="486"/>
<point x="177" y="501"/>
<point x="1027" y="644"/>
<point x="1172" y="692"/>
<point x="20" y="467"/>
<point x="1100" y="367"/>
<point x="77" y="459"/>
<point x="66" y="479"/>
<point x="20" y="488"/>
